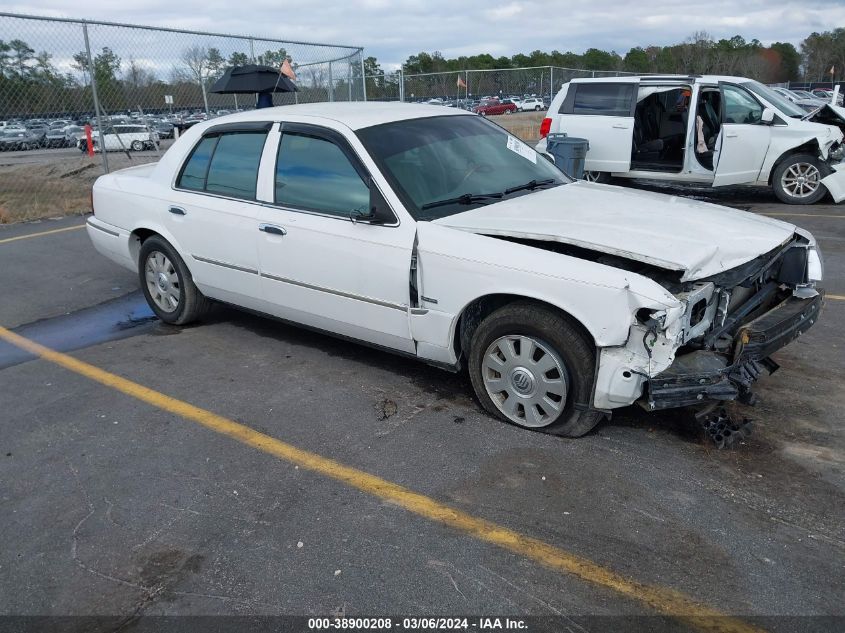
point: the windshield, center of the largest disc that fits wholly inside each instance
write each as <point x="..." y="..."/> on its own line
<point x="444" y="165"/>
<point x="776" y="100"/>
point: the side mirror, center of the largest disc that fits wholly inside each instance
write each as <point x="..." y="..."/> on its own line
<point x="768" y="116"/>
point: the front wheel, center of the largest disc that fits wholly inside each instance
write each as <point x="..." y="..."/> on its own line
<point x="531" y="366"/>
<point x="168" y="285"/>
<point x="137" y="146"/>
<point x="797" y="180"/>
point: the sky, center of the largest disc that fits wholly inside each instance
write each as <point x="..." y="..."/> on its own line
<point x="391" y="30"/>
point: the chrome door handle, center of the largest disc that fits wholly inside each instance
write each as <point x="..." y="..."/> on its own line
<point x="729" y="135"/>
<point x="272" y="228"/>
<point x="177" y="211"/>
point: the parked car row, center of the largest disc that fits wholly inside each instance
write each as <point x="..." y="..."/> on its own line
<point x="703" y="129"/>
<point x="495" y="104"/>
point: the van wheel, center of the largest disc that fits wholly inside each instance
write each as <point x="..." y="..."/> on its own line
<point x="529" y="366"/>
<point x="601" y="177"/>
<point x="168" y="285"/>
<point x="797" y="180"/>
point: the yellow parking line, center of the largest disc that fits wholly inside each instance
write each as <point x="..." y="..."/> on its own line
<point x="39" y="234"/>
<point x="663" y="600"/>
<point x="835" y="297"/>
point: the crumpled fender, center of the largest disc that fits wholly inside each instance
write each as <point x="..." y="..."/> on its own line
<point x="835" y="182"/>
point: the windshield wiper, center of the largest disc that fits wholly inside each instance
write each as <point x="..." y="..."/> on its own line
<point x="467" y="198"/>
<point x="531" y="185"/>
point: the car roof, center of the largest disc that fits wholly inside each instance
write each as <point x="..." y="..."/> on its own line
<point x="660" y="77"/>
<point x="355" y="115"/>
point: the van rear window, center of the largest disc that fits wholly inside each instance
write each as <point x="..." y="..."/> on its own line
<point x="610" y="99"/>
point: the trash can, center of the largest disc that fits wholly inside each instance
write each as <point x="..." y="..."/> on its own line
<point x="569" y="153"/>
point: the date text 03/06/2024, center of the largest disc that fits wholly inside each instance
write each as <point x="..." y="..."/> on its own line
<point x="418" y="624"/>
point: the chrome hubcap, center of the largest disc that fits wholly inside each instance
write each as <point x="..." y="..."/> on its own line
<point x="801" y="180"/>
<point x="162" y="281"/>
<point x="591" y="176"/>
<point x="525" y="379"/>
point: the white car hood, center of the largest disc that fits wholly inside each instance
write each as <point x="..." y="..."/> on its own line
<point x="671" y="232"/>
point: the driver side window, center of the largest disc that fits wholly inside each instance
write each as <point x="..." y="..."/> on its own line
<point x="741" y="107"/>
<point x="314" y="174"/>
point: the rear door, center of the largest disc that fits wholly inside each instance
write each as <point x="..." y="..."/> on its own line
<point x="214" y="214"/>
<point x="744" y="138"/>
<point x="603" y="113"/>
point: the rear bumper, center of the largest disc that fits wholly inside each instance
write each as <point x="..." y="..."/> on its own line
<point x="702" y="376"/>
<point x="111" y="241"/>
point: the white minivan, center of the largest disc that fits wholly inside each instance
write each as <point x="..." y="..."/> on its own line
<point x="119" y="138"/>
<point x="702" y="129"/>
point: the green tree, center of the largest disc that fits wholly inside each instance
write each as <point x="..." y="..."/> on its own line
<point x="637" y="61"/>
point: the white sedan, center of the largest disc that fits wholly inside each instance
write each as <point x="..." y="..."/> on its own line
<point x="440" y="236"/>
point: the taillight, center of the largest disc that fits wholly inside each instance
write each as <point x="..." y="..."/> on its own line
<point x="545" y="127"/>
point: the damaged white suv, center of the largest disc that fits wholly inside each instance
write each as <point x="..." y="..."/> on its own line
<point x="703" y="129"/>
<point x="442" y="237"/>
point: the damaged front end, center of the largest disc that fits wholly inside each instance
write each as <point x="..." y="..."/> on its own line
<point x="719" y="341"/>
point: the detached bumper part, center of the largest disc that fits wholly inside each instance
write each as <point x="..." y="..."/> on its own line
<point x="835" y="182"/>
<point x="703" y="376"/>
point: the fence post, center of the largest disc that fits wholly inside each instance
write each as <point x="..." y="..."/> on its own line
<point x="363" y="74"/>
<point x="331" y="83"/>
<point x="551" y="83"/>
<point x="92" y="72"/>
<point x="349" y="78"/>
<point x="401" y="85"/>
<point x="251" y="50"/>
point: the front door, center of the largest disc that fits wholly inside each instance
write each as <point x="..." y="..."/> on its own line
<point x="321" y="265"/>
<point x="744" y="138"/>
<point x="602" y="113"/>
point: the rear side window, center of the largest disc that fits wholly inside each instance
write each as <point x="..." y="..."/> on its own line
<point x="226" y="165"/>
<point x="610" y="99"/>
<point x="314" y="174"/>
<point x="193" y="175"/>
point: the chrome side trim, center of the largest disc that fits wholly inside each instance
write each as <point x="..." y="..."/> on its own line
<point x="99" y="228"/>
<point x="206" y="260"/>
<point x="339" y="293"/>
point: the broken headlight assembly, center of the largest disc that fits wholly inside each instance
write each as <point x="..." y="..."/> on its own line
<point x="836" y="152"/>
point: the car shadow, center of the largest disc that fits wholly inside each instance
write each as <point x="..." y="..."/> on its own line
<point x="442" y="384"/>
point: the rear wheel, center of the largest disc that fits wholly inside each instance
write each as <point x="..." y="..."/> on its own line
<point x="168" y="285"/>
<point x="530" y="365"/>
<point x="797" y="180"/>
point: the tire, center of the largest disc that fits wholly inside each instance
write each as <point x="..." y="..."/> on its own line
<point x="787" y="180"/>
<point x="601" y="177"/>
<point x="158" y="257"/>
<point x="137" y="146"/>
<point x="538" y="108"/>
<point x="540" y="337"/>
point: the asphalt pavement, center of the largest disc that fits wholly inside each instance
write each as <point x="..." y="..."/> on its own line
<point x="134" y="480"/>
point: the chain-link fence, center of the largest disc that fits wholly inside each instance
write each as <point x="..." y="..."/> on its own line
<point x="471" y="85"/>
<point x="144" y="84"/>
